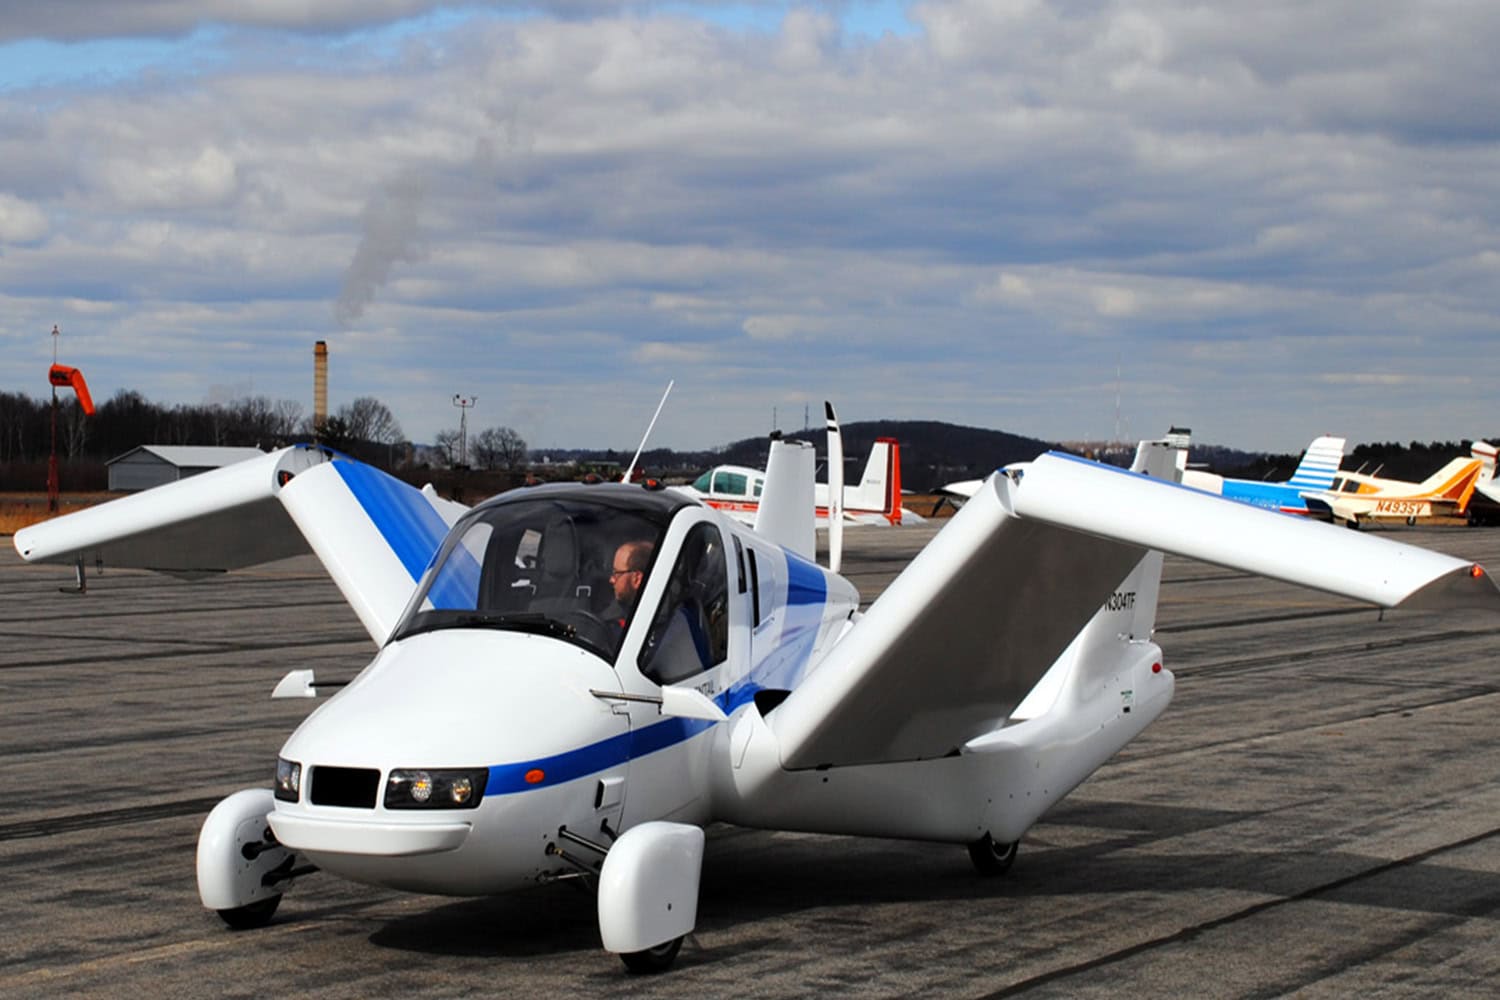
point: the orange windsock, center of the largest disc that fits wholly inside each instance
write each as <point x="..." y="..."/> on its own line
<point x="62" y="375"/>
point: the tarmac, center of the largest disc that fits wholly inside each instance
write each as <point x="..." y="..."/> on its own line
<point x="1316" y="814"/>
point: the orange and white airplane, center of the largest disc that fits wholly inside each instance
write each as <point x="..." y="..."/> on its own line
<point x="1356" y="499"/>
<point x="875" y="499"/>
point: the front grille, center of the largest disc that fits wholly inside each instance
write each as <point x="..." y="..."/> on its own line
<point x="350" y="787"/>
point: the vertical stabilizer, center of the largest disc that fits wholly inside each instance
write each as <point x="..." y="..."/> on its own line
<point x="1485" y="453"/>
<point x="1127" y="616"/>
<point x="787" y="516"/>
<point x="879" y="486"/>
<point x="1319" y="464"/>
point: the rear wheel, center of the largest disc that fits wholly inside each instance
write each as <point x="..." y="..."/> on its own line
<point x="990" y="858"/>
<point x="652" y="960"/>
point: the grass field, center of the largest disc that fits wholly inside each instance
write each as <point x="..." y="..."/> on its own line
<point x="17" y="510"/>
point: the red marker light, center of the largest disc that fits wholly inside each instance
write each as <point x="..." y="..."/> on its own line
<point x="1476" y="571"/>
<point x="1156" y="668"/>
<point x="535" y="776"/>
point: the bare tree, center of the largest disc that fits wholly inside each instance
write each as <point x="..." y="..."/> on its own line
<point x="447" y="444"/>
<point x="499" y="448"/>
<point x="287" y="415"/>
<point x="368" y="419"/>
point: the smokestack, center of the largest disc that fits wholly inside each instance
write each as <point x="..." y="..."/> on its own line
<point x="320" y="384"/>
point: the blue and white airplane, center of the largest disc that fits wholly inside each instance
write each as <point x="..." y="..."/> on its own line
<point x="572" y="680"/>
<point x="1314" y="473"/>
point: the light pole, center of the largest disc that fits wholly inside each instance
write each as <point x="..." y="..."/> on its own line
<point x="464" y="403"/>
<point x="53" y="484"/>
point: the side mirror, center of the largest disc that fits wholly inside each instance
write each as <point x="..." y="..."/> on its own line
<point x="296" y="684"/>
<point x="687" y="703"/>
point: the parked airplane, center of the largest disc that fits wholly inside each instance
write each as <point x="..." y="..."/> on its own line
<point x="572" y="680"/>
<point x="1320" y="462"/>
<point x="1484" y="505"/>
<point x="1356" y="499"/>
<point x="1314" y="471"/>
<point x="876" y="499"/>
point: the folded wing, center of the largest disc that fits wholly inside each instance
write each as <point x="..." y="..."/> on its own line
<point x="958" y="639"/>
<point x="373" y="533"/>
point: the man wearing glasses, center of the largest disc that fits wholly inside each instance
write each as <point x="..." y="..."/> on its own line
<point x="626" y="576"/>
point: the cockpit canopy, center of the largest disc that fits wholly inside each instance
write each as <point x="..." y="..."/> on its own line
<point x="543" y="561"/>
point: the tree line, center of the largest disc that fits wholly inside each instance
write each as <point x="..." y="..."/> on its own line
<point x="365" y="428"/>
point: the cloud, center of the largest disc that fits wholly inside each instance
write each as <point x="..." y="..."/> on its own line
<point x="20" y="221"/>
<point x="534" y="203"/>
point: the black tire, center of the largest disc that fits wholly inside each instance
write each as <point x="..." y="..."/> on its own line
<point x="990" y="858"/>
<point x="652" y="960"/>
<point x="251" y="915"/>
<point x="1352" y="524"/>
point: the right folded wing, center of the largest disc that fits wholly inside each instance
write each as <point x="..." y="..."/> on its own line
<point x="957" y="640"/>
<point x="373" y="533"/>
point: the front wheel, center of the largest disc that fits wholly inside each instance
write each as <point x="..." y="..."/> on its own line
<point x="990" y="858"/>
<point x="652" y="960"/>
<point x="251" y="915"/>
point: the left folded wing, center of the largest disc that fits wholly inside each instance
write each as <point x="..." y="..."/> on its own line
<point x="958" y="639"/>
<point x="373" y="533"/>
<point x="228" y="518"/>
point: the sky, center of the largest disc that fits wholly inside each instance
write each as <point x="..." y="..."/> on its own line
<point x="1070" y="220"/>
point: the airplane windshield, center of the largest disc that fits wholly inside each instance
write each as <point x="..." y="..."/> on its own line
<point x="568" y="566"/>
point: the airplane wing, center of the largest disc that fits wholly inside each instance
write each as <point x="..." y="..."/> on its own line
<point x="373" y="533"/>
<point x="958" y="639"/>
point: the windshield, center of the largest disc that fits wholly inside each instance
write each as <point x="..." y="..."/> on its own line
<point x="564" y="566"/>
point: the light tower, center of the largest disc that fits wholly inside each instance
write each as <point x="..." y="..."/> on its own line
<point x="464" y="404"/>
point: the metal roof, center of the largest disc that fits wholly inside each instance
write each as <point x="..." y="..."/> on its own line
<point x="193" y="456"/>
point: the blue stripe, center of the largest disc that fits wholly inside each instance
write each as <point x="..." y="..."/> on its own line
<point x="404" y="518"/>
<point x="570" y="765"/>
<point x="805" y="583"/>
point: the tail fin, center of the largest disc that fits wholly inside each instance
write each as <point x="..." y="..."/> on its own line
<point x="1319" y="464"/>
<point x="1128" y="614"/>
<point x="879" y="487"/>
<point x="787" y="515"/>
<point x="1485" y="452"/>
<point x="1454" y="481"/>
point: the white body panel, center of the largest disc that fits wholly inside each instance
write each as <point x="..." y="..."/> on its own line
<point x="227" y="879"/>
<point x="648" y="888"/>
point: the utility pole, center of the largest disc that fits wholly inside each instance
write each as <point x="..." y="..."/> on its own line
<point x="54" y="488"/>
<point x="464" y="404"/>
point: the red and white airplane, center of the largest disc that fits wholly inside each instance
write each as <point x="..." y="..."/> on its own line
<point x="875" y="499"/>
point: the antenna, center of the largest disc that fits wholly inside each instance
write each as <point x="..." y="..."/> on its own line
<point x="464" y="404"/>
<point x="1117" y="398"/>
<point x="630" y="470"/>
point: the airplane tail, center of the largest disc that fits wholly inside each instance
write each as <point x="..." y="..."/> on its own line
<point x="1128" y="615"/>
<point x="1485" y="453"/>
<point x="1319" y="464"/>
<point x="879" y="486"/>
<point x="786" y="512"/>
<point x="1454" y="481"/>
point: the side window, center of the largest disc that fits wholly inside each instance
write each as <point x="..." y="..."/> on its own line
<point x="732" y="483"/>
<point x="690" y="630"/>
<point x="754" y="591"/>
<point x="760" y="485"/>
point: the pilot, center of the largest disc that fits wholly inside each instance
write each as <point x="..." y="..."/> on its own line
<point x="627" y="574"/>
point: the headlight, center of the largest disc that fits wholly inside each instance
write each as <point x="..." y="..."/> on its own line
<point x="419" y="788"/>
<point x="288" y="780"/>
